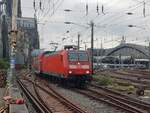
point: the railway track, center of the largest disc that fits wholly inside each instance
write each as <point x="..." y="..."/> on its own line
<point x="101" y="94"/>
<point x="136" y="82"/>
<point x="39" y="107"/>
<point x="114" y="98"/>
<point x="48" y="93"/>
<point x="143" y="73"/>
<point x="133" y="74"/>
<point x="124" y="97"/>
<point x="2" y="109"/>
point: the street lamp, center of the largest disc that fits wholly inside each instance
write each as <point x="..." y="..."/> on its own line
<point x="68" y="22"/>
<point x="131" y="25"/>
<point x="67" y="31"/>
<point x="67" y="10"/>
<point x="76" y="24"/>
<point x="129" y="13"/>
<point x="136" y="26"/>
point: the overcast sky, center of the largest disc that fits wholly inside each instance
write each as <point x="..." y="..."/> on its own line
<point x="109" y="27"/>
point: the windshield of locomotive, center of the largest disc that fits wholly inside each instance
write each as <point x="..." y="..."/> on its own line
<point x="78" y="56"/>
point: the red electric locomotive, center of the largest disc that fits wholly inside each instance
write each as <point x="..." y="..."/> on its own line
<point x="67" y="65"/>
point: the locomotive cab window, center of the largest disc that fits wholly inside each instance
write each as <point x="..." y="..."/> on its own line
<point x="83" y="56"/>
<point x="78" y="56"/>
<point x="73" y="56"/>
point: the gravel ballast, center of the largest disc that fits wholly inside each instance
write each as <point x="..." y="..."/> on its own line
<point x="89" y="104"/>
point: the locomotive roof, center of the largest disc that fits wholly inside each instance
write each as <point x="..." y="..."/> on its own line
<point x="48" y="52"/>
<point x="76" y="50"/>
<point x="40" y="52"/>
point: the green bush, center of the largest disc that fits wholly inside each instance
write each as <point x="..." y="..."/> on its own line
<point x="4" y="64"/>
<point x="103" y="80"/>
<point x="123" y="88"/>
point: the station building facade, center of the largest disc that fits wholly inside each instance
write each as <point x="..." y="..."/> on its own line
<point x="125" y="54"/>
<point x="27" y="38"/>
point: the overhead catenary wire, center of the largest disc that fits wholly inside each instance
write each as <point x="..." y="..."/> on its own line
<point x="130" y="7"/>
<point x="120" y="13"/>
<point x="134" y="6"/>
<point x="50" y="13"/>
<point x="112" y="20"/>
<point x="116" y="16"/>
<point x="106" y="19"/>
<point x="43" y="8"/>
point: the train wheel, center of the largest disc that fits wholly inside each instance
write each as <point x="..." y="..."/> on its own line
<point x="59" y="81"/>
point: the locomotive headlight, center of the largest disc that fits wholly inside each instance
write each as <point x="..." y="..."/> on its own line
<point x="87" y="72"/>
<point x="70" y="72"/>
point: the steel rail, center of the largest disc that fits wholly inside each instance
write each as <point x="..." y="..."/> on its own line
<point x="67" y="102"/>
<point x="138" y="75"/>
<point x="61" y="98"/>
<point x="109" y="100"/>
<point x="130" y="99"/>
<point x="147" y="83"/>
<point x="40" y="98"/>
<point x="139" y="72"/>
<point x="39" y="107"/>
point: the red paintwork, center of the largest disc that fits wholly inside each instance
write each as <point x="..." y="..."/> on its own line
<point x="57" y="63"/>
